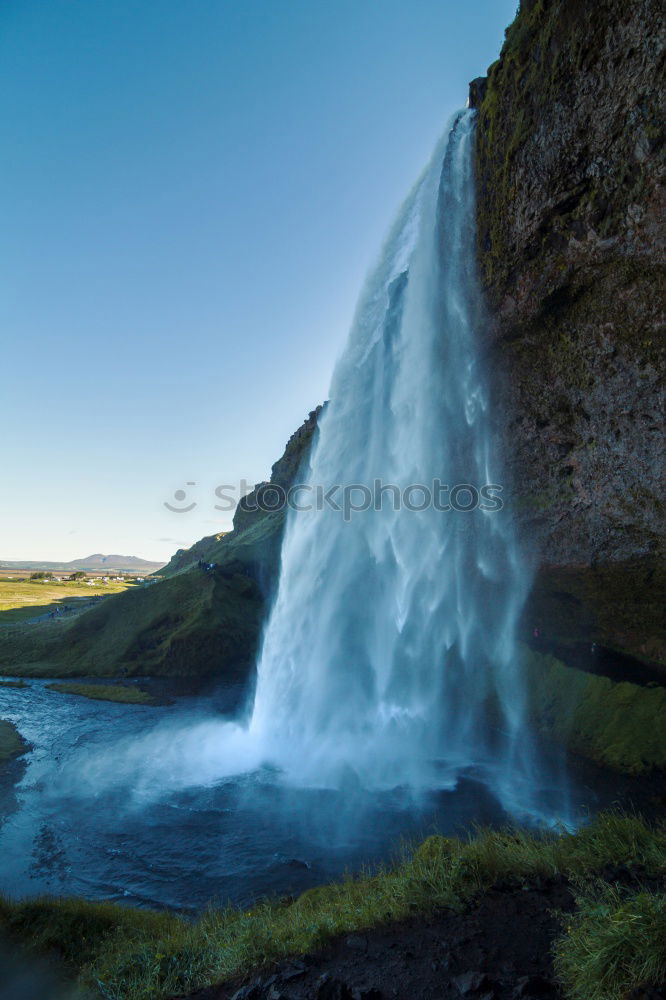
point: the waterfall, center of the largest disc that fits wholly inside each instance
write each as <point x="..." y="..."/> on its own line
<point x="389" y="655"/>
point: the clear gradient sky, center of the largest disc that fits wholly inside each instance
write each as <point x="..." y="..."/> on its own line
<point x="192" y="193"/>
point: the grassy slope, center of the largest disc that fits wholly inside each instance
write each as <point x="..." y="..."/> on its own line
<point x="24" y="599"/>
<point x="136" y="955"/>
<point x="188" y="624"/>
<point x="191" y="623"/>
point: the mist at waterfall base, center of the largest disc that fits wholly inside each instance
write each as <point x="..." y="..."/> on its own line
<point x="389" y="656"/>
<point x="389" y="699"/>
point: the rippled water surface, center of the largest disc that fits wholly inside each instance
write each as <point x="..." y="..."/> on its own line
<point x="126" y="802"/>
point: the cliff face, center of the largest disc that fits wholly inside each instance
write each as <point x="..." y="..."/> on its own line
<point x="570" y="172"/>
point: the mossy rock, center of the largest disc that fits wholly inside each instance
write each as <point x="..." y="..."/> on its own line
<point x="12" y="743"/>
<point x="618" y="725"/>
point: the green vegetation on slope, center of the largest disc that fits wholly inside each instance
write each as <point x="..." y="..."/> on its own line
<point x="105" y="692"/>
<point x="191" y="624"/>
<point x="615" y="942"/>
<point x="21" y="600"/>
<point x="618" y="725"/>
<point x="11" y="742"/>
<point x="137" y="955"/>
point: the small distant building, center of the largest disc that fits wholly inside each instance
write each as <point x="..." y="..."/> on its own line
<point x="139" y="579"/>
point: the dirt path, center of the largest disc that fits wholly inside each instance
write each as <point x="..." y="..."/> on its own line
<point x="498" y="950"/>
<point x="60" y="613"/>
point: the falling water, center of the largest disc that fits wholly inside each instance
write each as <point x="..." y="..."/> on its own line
<point x="389" y="656"/>
<point x="388" y="667"/>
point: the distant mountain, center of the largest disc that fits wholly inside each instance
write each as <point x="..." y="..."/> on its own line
<point x="97" y="561"/>
<point x="100" y="561"/>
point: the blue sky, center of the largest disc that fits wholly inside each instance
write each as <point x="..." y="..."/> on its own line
<point x="192" y="193"/>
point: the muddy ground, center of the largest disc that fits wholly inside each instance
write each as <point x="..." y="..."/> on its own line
<point x="499" y="949"/>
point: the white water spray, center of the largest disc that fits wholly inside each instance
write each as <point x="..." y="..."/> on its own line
<point x="389" y="654"/>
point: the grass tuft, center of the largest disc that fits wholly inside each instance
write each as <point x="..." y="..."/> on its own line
<point x="614" y="943"/>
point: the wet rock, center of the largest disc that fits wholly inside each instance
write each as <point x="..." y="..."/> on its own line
<point x="571" y="243"/>
<point x="356" y="942"/>
<point x="253" y="991"/>
<point x="328" y="988"/>
<point x="534" y="987"/>
<point x="275" y="993"/>
<point x="474" y="983"/>
<point x="648" y="993"/>
<point x="477" y="91"/>
<point x="291" y="970"/>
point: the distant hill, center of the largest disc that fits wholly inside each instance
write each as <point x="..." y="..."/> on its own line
<point x="97" y="561"/>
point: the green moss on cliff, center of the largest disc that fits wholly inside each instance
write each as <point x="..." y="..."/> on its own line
<point x="617" y="725"/>
<point x="561" y="64"/>
<point x="500" y="135"/>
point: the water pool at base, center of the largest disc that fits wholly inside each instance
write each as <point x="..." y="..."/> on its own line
<point x="108" y="807"/>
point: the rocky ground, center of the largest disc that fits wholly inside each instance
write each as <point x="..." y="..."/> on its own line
<point x="499" y="949"/>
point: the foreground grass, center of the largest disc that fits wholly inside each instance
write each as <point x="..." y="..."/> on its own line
<point x="615" y="942"/>
<point x="127" y="954"/>
<point x="11" y="743"/>
<point x="105" y="692"/>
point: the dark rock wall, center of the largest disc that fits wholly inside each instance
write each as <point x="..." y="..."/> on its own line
<point x="570" y="172"/>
